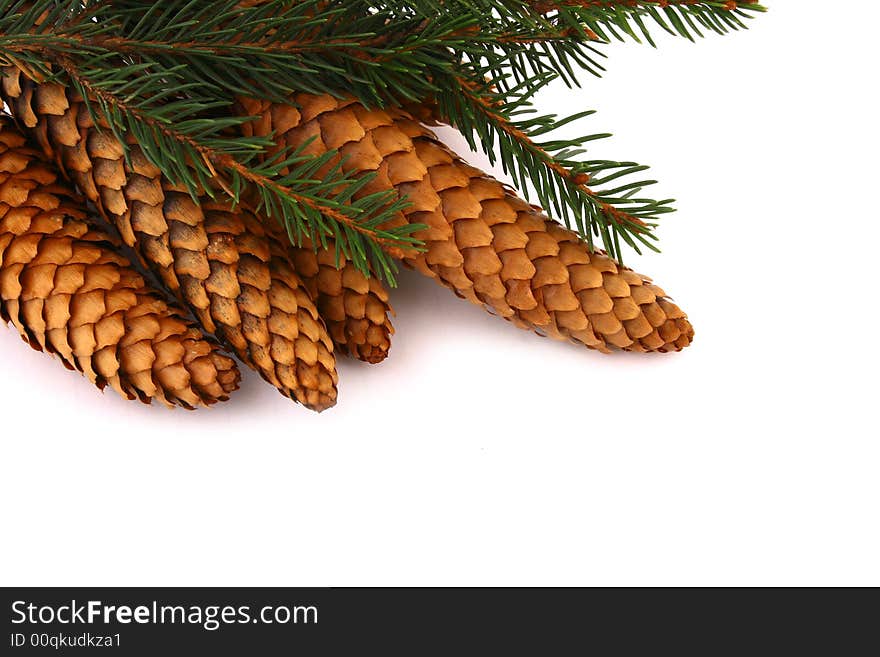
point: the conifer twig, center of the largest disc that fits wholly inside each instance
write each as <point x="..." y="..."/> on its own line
<point x="165" y="74"/>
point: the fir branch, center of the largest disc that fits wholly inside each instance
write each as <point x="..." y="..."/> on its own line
<point x="274" y="48"/>
<point x="620" y="18"/>
<point x="164" y="74"/>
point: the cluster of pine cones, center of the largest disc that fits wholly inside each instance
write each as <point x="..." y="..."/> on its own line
<point x="232" y="281"/>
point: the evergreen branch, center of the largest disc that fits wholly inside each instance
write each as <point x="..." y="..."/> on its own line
<point x="619" y="18"/>
<point x="270" y="186"/>
<point x="274" y="48"/>
<point x="164" y="73"/>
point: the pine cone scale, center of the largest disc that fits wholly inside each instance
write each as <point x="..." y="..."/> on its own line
<point x="489" y="246"/>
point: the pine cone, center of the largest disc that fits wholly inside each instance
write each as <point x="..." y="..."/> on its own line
<point x="240" y="285"/>
<point x="354" y="307"/>
<point x="67" y="291"/>
<point x="489" y="246"/>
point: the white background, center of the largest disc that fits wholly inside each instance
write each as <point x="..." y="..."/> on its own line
<point x="479" y="454"/>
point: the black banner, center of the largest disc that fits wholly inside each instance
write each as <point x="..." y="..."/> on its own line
<point x="150" y="621"/>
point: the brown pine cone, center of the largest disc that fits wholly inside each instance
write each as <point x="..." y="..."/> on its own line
<point x="68" y="291"/>
<point x="254" y="299"/>
<point x="220" y="263"/>
<point x="354" y="307"/>
<point x="481" y="240"/>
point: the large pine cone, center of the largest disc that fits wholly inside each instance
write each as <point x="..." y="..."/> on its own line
<point x="68" y="291"/>
<point x="482" y="241"/>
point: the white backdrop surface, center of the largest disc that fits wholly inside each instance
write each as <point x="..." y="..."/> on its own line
<point x="479" y="454"/>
